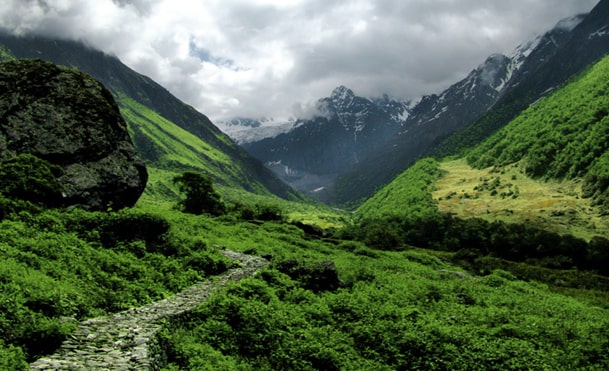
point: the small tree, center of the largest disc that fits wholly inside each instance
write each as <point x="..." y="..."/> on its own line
<point x="200" y="194"/>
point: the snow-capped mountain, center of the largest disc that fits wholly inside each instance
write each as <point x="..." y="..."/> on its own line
<point x="356" y="144"/>
<point x="485" y="100"/>
<point x="485" y="85"/>
<point x="347" y="128"/>
<point x="533" y="54"/>
<point x="245" y="130"/>
<point x="465" y="99"/>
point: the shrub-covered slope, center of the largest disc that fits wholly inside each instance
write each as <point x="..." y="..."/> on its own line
<point x="409" y="195"/>
<point x="565" y="135"/>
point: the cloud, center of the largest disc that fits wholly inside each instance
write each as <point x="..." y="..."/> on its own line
<point x="255" y="58"/>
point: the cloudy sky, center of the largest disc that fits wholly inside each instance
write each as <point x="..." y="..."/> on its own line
<point x="272" y="58"/>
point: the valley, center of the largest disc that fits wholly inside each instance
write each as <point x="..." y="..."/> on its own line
<point x="467" y="230"/>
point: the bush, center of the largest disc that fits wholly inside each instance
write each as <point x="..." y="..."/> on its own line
<point x="12" y="358"/>
<point x="27" y="177"/>
<point x="259" y="212"/>
<point x="200" y="196"/>
<point x="28" y="183"/>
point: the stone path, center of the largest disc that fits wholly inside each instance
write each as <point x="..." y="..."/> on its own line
<point x="128" y="340"/>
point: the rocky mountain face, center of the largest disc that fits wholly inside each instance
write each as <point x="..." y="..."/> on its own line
<point x="315" y="151"/>
<point x="128" y="86"/>
<point x="69" y="119"/>
<point x="433" y="118"/>
<point x="488" y="98"/>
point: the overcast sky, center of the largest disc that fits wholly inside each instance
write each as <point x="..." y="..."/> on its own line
<point x="258" y="58"/>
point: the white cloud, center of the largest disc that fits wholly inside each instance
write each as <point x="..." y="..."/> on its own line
<point x="273" y="57"/>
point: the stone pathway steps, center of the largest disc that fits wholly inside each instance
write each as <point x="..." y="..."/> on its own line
<point x="127" y="340"/>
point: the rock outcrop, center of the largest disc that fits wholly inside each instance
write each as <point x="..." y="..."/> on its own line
<point x="69" y="119"/>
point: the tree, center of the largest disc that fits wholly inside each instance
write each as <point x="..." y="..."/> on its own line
<point x="200" y="194"/>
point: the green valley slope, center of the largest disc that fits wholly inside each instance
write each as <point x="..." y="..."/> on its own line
<point x="563" y="136"/>
<point x="562" y="140"/>
<point x="169" y="134"/>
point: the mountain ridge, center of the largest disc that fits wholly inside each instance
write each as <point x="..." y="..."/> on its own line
<point x="347" y="127"/>
<point x="547" y="167"/>
<point x="544" y="63"/>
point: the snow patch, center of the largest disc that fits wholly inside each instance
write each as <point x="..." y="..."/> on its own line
<point x="603" y="31"/>
<point x="568" y="24"/>
<point x="267" y="128"/>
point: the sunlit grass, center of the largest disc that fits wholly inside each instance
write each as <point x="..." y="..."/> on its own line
<point x="508" y="194"/>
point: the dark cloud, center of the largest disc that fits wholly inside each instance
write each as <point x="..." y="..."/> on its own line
<point x="274" y="57"/>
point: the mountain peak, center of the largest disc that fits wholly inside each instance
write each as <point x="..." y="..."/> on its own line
<point x="496" y="58"/>
<point x="342" y="93"/>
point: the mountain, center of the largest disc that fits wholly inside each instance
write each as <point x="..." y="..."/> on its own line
<point x="435" y="116"/>
<point x="583" y="45"/>
<point x="564" y="136"/>
<point x="548" y="168"/>
<point x="347" y="128"/>
<point x="246" y="130"/>
<point x="167" y="133"/>
<point x="488" y="98"/>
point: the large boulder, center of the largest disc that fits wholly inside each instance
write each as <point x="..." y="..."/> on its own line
<point x="69" y="119"/>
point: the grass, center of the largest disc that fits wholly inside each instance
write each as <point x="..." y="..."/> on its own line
<point x="508" y="194"/>
<point x="396" y="310"/>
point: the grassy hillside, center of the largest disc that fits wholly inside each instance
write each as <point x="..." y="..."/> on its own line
<point x="408" y="196"/>
<point x="563" y="136"/>
<point x="389" y="310"/>
<point x="167" y="146"/>
<point x="327" y="302"/>
<point x="506" y="193"/>
<point x="549" y="167"/>
<point x="538" y="195"/>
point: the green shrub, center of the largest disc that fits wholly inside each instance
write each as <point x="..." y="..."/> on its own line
<point x="199" y="193"/>
<point x="12" y="358"/>
<point x="29" y="178"/>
